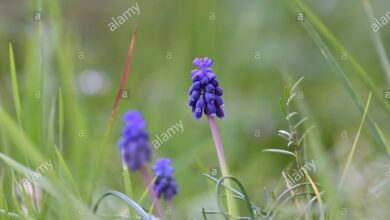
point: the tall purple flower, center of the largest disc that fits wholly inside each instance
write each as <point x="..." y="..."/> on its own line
<point x="205" y="93"/>
<point x="165" y="182"/>
<point x="134" y="141"/>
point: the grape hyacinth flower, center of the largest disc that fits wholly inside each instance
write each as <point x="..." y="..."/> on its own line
<point x="205" y="97"/>
<point x="205" y="93"/>
<point x="165" y="184"/>
<point x="134" y="142"/>
<point x="136" y="150"/>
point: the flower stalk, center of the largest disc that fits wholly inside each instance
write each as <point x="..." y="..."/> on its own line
<point x="222" y="163"/>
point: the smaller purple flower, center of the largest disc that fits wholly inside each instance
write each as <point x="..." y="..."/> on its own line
<point x="165" y="183"/>
<point x="205" y="93"/>
<point x="134" y="141"/>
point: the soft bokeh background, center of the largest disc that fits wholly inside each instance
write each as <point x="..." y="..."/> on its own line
<point x="170" y="34"/>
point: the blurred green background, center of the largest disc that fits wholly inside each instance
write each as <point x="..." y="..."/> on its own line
<point x="170" y="34"/>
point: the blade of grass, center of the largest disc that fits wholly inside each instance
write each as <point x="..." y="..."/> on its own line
<point x="44" y="206"/>
<point x="51" y="130"/>
<point x="127" y="182"/>
<point x="66" y="171"/>
<point x="130" y="202"/>
<point x="364" y="76"/>
<point x="53" y="186"/>
<point x="102" y="154"/>
<point x="18" y="137"/>
<point x="3" y="200"/>
<point x="318" y="194"/>
<point x="378" y="42"/>
<point x="384" y="140"/>
<point x="340" y="74"/>
<point x="60" y="119"/>
<point x="146" y="191"/>
<point x="353" y="148"/>
<point x="15" y="88"/>
<point x="77" y="131"/>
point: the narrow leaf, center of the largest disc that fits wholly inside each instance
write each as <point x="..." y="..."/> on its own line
<point x="279" y="151"/>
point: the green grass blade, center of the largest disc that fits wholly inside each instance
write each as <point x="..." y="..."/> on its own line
<point x="15" y="88"/>
<point x="340" y="74"/>
<point x="3" y="200"/>
<point x="378" y="42"/>
<point x="53" y="186"/>
<point x="60" y="118"/>
<point x="44" y="206"/>
<point x="127" y="182"/>
<point x="66" y="171"/>
<point x="327" y="34"/>
<point x="353" y="149"/>
<point x="384" y="140"/>
<point x="146" y="191"/>
<point x="18" y="138"/>
<point x="51" y="129"/>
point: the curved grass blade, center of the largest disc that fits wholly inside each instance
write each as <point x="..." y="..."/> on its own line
<point x="238" y="193"/>
<point x="270" y="211"/>
<point x="245" y="196"/>
<point x="129" y="201"/>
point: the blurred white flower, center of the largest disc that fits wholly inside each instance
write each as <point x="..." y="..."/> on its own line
<point x="93" y="82"/>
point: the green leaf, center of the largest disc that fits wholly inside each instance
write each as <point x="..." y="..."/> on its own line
<point x="297" y="84"/>
<point x="286" y="94"/>
<point x="300" y="122"/>
<point x="126" y="199"/>
<point x="280" y="151"/>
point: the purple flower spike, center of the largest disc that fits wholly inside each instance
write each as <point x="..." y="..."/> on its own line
<point x="205" y="93"/>
<point x="165" y="182"/>
<point x="134" y="141"/>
